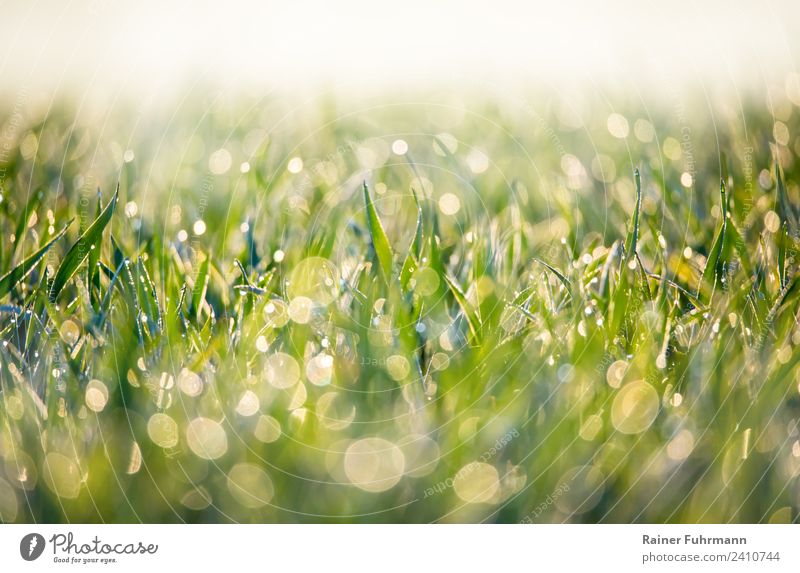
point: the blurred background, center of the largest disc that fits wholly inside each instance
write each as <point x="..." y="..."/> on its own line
<point x="152" y="48"/>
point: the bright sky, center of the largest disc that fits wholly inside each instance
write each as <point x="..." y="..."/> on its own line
<point x="153" y="45"/>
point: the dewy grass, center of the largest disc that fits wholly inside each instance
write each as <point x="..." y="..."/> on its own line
<point x="227" y="339"/>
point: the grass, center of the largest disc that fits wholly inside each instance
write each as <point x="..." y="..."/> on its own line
<point x="249" y="314"/>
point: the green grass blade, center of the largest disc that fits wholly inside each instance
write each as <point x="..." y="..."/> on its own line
<point x="201" y="285"/>
<point x="22" y="221"/>
<point x="415" y="251"/>
<point x="466" y="308"/>
<point x="80" y="250"/>
<point x="100" y="316"/>
<point x="149" y="296"/>
<point x="689" y="295"/>
<point x="782" y="240"/>
<point x="416" y="246"/>
<point x="380" y="242"/>
<point x="785" y="208"/>
<point x="11" y="278"/>
<point x="624" y="292"/>
<point x="564" y="280"/>
<point x="632" y="241"/>
<point x="93" y="277"/>
<point x="409" y="267"/>
<point x="713" y="269"/>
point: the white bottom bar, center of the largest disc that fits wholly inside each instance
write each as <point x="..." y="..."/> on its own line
<point x="401" y="548"/>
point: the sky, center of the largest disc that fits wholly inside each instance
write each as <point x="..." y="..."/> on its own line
<point x="153" y="46"/>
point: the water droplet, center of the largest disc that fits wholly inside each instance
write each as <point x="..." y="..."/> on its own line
<point x="319" y="369"/>
<point x="301" y="309"/>
<point x="398" y="367"/>
<point x="248" y="404"/>
<point x="615" y="373"/>
<point x="206" y="438"/>
<point x="96" y="395"/>
<point x="635" y="407"/>
<point x="62" y="475"/>
<point x="163" y="430"/>
<point x="190" y="383"/>
<point x="374" y="464"/>
<point x="267" y="429"/>
<point x="282" y="370"/>
<point x="476" y="482"/>
<point x="250" y="485"/>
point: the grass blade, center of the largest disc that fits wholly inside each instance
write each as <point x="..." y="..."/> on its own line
<point x="92" y="276"/>
<point x="380" y="242"/>
<point x="623" y="294"/>
<point x="564" y="280"/>
<point x="415" y="251"/>
<point x="466" y="308"/>
<point x="22" y="270"/>
<point x="416" y="246"/>
<point x="713" y="269"/>
<point x="632" y="240"/>
<point x="82" y="247"/>
<point x="22" y="221"/>
<point x="783" y="240"/>
<point x="201" y="286"/>
<point x="785" y="208"/>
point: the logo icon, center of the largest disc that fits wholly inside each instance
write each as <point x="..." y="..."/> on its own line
<point x="31" y="546"/>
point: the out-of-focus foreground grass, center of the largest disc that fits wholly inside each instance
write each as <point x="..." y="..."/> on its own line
<point x="404" y="312"/>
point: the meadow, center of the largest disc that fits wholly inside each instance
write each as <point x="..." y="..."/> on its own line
<point x="400" y="311"/>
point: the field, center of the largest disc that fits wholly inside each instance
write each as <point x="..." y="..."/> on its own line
<point x="492" y="311"/>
